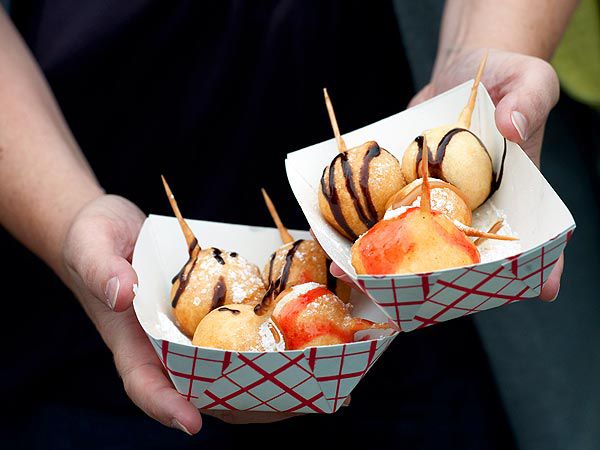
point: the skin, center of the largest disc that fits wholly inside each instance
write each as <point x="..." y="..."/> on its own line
<point x="51" y="201"/>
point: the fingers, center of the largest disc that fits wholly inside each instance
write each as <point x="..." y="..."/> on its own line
<point x="525" y="102"/>
<point x="144" y="379"/>
<point x="551" y="287"/>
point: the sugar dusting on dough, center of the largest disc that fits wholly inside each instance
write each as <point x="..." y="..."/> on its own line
<point x="267" y="339"/>
<point x="492" y="250"/>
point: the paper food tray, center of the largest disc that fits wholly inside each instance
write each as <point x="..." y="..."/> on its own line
<point x="533" y="210"/>
<point x="314" y="380"/>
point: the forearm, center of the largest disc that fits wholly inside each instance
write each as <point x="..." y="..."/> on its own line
<point x="532" y="27"/>
<point x="44" y="178"/>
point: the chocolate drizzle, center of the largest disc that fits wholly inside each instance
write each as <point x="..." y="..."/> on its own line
<point x="232" y="311"/>
<point x="280" y="284"/>
<point x="219" y="293"/>
<point x="367" y="213"/>
<point x="217" y="255"/>
<point x="347" y="171"/>
<point x="289" y="259"/>
<point x="498" y="178"/>
<point x="191" y="248"/>
<point x="333" y="199"/>
<point x="184" y="274"/>
<point x="373" y="152"/>
<point x="271" y="262"/>
<point x="435" y="162"/>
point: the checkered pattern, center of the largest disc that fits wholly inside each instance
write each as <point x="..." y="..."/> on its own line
<point x="316" y="380"/>
<point x="417" y="301"/>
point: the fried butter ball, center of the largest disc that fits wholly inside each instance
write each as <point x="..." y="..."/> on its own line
<point x="310" y="315"/>
<point x="238" y="328"/>
<point x="414" y="242"/>
<point x="298" y="262"/>
<point x="445" y="198"/>
<point x="213" y="278"/>
<point x="356" y="186"/>
<point x="295" y="263"/>
<point x="456" y="156"/>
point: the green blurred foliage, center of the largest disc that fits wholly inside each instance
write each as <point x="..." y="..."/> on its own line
<point x="577" y="59"/>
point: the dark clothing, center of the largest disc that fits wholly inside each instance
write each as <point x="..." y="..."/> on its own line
<point x="213" y="95"/>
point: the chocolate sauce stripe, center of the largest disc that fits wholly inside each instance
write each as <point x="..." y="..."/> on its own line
<point x="217" y="255"/>
<point x="232" y="311"/>
<point x="368" y="217"/>
<point x="184" y="278"/>
<point x="435" y="163"/>
<point x="333" y="199"/>
<point x="289" y="258"/>
<point x="349" y="178"/>
<point x="373" y="152"/>
<point x="279" y="285"/>
<point x="219" y="293"/>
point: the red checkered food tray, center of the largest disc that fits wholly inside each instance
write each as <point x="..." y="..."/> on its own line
<point x="317" y="379"/>
<point x="533" y="210"/>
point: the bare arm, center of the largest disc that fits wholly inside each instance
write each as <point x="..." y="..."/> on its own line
<point x="531" y="27"/>
<point x="44" y="178"/>
<point x="51" y="201"/>
<point x="521" y="37"/>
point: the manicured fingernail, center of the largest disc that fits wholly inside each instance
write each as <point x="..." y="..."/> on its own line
<point x="347" y="401"/>
<point x="112" y="291"/>
<point x="520" y="123"/>
<point x="179" y="426"/>
<point x="556" y="296"/>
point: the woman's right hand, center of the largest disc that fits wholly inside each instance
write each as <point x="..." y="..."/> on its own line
<point x="96" y="255"/>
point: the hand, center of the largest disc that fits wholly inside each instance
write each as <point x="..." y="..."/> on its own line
<point x="524" y="90"/>
<point x="96" y="255"/>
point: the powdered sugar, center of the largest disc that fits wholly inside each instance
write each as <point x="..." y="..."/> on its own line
<point x="491" y="249"/>
<point x="268" y="342"/>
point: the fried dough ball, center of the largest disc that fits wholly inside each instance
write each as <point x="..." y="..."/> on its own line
<point x="214" y="278"/>
<point x="413" y="242"/>
<point x="310" y="315"/>
<point x="445" y="198"/>
<point x="238" y="328"/>
<point x="458" y="157"/>
<point x="355" y="187"/>
<point x="297" y="262"/>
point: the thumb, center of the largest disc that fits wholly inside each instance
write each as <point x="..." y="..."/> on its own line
<point x="523" y="109"/>
<point x="97" y="253"/>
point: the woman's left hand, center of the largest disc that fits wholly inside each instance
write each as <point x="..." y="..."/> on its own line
<point x="524" y="90"/>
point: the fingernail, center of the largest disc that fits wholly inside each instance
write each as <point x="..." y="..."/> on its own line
<point x="520" y="123"/>
<point x="556" y="296"/>
<point x="179" y="426"/>
<point x="112" y="291"/>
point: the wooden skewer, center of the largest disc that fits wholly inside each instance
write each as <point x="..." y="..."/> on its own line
<point x="474" y="232"/>
<point x="336" y="131"/>
<point x="190" y="239"/>
<point x="467" y="113"/>
<point x="359" y="324"/>
<point x="493" y="229"/>
<point x="286" y="237"/>
<point x="425" y="188"/>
